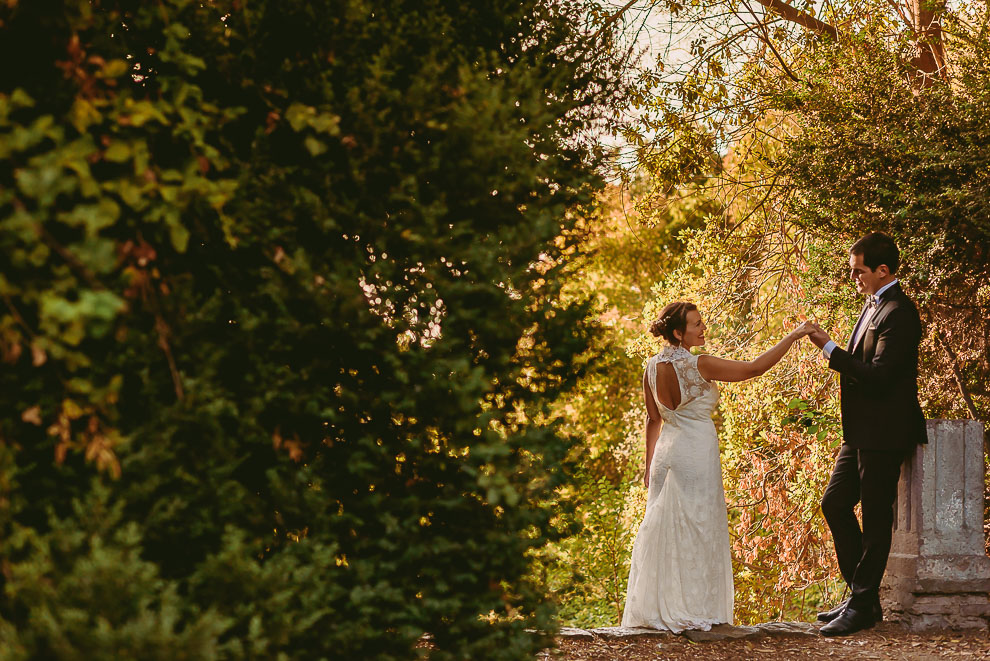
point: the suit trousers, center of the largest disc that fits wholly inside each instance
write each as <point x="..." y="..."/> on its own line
<point x="868" y="477"/>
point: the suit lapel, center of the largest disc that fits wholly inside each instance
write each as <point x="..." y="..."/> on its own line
<point x="851" y="346"/>
<point x="868" y="347"/>
<point x="871" y="319"/>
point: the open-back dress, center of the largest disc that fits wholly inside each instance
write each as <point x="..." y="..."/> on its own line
<point x="681" y="572"/>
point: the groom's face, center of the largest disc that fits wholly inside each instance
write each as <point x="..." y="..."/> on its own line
<point x="866" y="279"/>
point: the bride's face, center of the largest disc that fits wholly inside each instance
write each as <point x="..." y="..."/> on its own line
<point x="694" y="331"/>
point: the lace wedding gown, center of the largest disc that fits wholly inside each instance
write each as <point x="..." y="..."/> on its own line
<point x="681" y="573"/>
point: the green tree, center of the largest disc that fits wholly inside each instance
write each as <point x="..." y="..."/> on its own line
<point x="281" y="322"/>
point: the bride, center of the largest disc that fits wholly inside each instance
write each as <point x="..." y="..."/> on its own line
<point x="681" y="572"/>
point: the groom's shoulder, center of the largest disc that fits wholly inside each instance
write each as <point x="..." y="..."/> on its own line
<point x="903" y="298"/>
<point x="903" y="304"/>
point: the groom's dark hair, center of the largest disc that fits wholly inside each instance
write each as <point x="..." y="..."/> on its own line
<point x="877" y="248"/>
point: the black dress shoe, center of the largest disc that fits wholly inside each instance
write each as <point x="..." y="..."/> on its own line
<point x="828" y="616"/>
<point x="849" y="622"/>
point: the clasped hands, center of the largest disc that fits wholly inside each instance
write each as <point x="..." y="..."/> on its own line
<point x="814" y="333"/>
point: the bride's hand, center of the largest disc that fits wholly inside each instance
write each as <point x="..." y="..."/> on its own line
<point x="806" y="328"/>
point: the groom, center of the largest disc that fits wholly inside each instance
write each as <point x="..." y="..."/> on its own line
<point x="882" y="423"/>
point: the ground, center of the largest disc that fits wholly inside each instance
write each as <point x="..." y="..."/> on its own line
<point x="885" y="641"/>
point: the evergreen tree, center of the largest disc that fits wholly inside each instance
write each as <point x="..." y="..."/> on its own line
<point x="280" y="323"/>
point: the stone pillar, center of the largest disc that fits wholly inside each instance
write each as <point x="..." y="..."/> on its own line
<point x="938" y="574"/>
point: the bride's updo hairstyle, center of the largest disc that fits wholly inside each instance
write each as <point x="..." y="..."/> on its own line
<point x="672" y="317"/>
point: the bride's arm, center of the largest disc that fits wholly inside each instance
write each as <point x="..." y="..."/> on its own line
<point x="722" y="369"/>
<point x="652" y="434"/>
<point x="653" y="424"/>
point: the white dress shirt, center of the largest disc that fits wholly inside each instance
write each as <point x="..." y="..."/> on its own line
<point x="827" y="349"/>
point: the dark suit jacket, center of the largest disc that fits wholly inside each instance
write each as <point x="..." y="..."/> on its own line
<point x="878" y="382"/>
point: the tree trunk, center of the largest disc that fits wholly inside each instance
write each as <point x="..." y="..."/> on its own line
<point x="929" y="58"/>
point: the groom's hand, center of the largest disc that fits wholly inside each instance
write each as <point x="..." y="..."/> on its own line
<point x="819" y="337"/>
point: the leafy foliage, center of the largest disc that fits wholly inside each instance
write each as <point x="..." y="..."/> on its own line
<point x="798" y="144"/>
<point x="281" y="324"/>
<point x="872" y="155"/>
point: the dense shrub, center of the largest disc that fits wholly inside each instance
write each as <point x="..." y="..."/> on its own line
<point x="280" y="322"/>
<point x="875" y="154"/>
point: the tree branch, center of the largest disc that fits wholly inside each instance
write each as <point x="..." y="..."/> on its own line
<point x="17" y="316"/>
<point x="900" y="12"/>
<point x="69" y="258"/>
<point x="612" y="19"/>
<point x="795" y="15"/>
<point x="963" y="390"/>
<point x="765" y="38"/>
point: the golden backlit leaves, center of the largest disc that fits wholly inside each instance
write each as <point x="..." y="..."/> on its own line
<point x="271" y="121"/>
<point x="38" y="355"/>
<point x="92" y="74"/>
<point x="297" y="535"/>
<point x="146" y="281"/>
<point x="139" y="254"/>
<point x="293" y="446"/>
<point x="94" y="440"/>
<point x="10" y="351"/>
<point x="13" y="335"/>
<point x="32" y="415"/>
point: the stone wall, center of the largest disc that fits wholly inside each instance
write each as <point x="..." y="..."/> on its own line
<point x="938" y="574"/>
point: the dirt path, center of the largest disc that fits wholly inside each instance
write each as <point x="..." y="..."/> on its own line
<point x="885" y="641"/>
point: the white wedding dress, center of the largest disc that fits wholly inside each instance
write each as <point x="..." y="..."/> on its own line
<point x="681" y="572"/>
